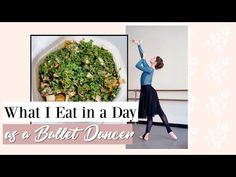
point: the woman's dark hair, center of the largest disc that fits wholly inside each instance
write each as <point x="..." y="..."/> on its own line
<point x="160" y="63"/>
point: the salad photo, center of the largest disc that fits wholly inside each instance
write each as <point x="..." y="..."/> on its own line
<point x="79" y="70"/>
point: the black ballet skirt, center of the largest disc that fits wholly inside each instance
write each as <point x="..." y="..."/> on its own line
<point x="149" y="104"/>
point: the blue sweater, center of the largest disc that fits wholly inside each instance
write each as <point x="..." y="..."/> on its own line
<point x="146" y="77"/>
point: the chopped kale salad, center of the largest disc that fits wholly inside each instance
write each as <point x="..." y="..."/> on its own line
<point x="79" y="71"/>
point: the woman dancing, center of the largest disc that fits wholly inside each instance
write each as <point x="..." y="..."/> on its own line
<point x="149" y="104"/>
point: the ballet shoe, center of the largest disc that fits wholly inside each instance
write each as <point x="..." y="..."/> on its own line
<point x="173" y="136"/>
<point x="144" y="137"/>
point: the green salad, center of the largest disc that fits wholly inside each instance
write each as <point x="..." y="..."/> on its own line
<point x="79" y="71"/>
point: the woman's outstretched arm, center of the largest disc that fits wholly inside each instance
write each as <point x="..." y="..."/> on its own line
<point x="140" y="51"/>
<point x="143" y="66"/>
<point x="138" y="43"/>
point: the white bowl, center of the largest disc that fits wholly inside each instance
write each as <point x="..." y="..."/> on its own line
<point x="122" y="95"/>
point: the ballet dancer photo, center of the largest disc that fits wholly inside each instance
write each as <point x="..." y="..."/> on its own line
<point x="149" y="104"/>
<point x="158" y="82"/>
